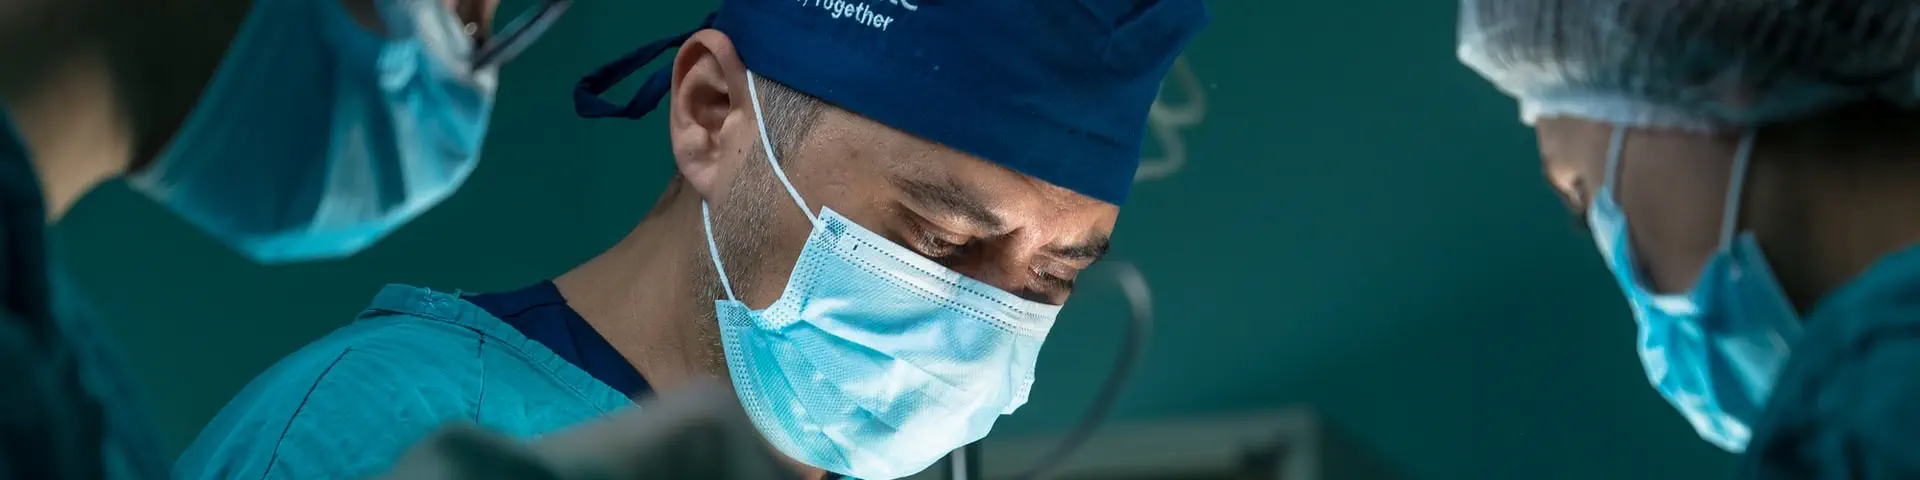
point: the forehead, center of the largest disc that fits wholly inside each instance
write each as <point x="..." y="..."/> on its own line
<point x="868" y="153"/>
<point x="1572" y="142"/>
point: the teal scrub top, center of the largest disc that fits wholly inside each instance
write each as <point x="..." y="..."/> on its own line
<point x="1847" y="405"/>
<point x="348" y="405"/>
<point x="66" y="409"/>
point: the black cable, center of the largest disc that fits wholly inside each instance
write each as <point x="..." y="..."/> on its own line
<point x="1140" y="306"/>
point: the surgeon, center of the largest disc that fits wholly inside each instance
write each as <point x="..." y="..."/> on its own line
<point x="878" y="211"/>
<point x="1751" y="173"/>
<point x="291" y="130"/>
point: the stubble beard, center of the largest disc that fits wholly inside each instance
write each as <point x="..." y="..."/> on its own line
<point x="738" y="228"/>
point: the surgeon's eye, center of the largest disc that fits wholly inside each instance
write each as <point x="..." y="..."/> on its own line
<point x="1059" y="280"/>
<point x="938" y="246"/>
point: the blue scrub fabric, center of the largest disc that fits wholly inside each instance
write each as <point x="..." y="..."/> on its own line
<point x="542" y="314"/>
<point x="1847" y="405"/>
<point x="66" y="410"/>
<point x="348" y="405"/>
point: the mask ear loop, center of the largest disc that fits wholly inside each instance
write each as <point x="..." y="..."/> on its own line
<point x="1615" y="146"/>
<point x="706" y="216"/>
<point x="713" y="251"/>
<point x="1736" y="187"/>
<point x="760" y="120"/>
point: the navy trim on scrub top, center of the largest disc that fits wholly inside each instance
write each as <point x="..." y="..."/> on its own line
<point x="539" y="312"/>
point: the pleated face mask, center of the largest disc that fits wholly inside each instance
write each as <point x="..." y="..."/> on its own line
<point x="875" y="361"/>
<point x="1713" y="351"/>
<point x="317" y="137"/>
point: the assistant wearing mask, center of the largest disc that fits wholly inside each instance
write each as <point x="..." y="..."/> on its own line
<point x="1713" y="351"/>
<point x="283" y="127"/>
<point x="361" y="132"/>
<point x="1755" y="199"/>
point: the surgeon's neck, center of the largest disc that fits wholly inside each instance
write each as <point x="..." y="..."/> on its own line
<point x="75" y="131"/>
<point x="639" y="296"/>
<point x="1821" y="226"/>
<point x="647" y="294"/>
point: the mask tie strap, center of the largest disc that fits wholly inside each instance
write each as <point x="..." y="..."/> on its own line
<point x="586" y="93"/>
<point x="1736" y="187"/>
<point x="713" y="251"/>
<point x="760" y="120"/>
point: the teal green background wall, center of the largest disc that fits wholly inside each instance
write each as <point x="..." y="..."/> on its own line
<point x="1361" y="225"/>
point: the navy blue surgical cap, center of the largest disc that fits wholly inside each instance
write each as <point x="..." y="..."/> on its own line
<point x="1055" y="89"/>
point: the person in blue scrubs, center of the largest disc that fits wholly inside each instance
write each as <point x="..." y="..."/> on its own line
<point x="241" y="116"/>
<point x="878" y="210"/>
<point x="1750" y="172"/>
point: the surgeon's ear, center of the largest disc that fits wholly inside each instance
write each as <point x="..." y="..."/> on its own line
<point x="705" y="120"/>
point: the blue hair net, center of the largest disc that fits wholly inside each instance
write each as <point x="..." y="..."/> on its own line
<point x="1693" y="64"/>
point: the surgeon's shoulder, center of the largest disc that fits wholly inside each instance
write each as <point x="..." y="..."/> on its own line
<point x="345" y="405"/>
<point x="1847" y="406"/>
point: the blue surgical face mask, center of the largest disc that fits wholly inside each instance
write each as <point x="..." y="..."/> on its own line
<point x="875" y="361"/>
<point x="1713" y="351"/>
<point x="317" y="137"/>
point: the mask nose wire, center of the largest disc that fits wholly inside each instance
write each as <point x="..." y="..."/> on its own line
<point x="1736" y="188"/>
<point x="760" y="120"/>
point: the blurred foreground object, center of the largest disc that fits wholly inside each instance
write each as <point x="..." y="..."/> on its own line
<point x="699" y="432"/>
<point x="1288" y="444"/>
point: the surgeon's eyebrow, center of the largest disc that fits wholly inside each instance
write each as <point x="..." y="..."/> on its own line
<point x="1091" y="250"/>
<point x="953" y="199"/>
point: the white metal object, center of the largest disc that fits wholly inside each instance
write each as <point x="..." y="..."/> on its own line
<point x="1170" y="448"/>
<point x="1165" y="121"/>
